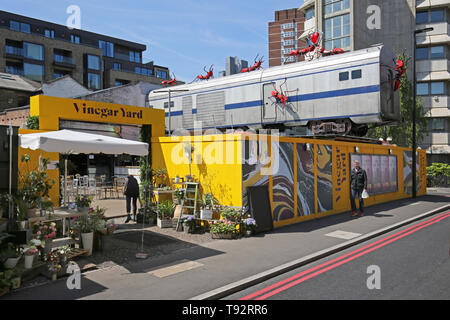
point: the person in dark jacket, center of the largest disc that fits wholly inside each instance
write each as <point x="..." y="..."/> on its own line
<point x="358" y="182"/>
<point x="131" y="191"/>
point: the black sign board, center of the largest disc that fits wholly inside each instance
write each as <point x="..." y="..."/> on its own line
<point x="259" y="205"/>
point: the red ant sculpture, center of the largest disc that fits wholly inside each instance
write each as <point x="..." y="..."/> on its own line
<point x="400" y="68"/>
<point x="171" y="81"/>
<point x="279" y="96"/>
<point x="209" y="74"/>
<point x="256" y="65"/>
<point x="313" y="41"/>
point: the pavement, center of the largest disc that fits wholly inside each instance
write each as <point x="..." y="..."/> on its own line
<point x="215" y="269"/>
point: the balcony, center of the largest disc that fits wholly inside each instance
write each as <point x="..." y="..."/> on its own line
<point x="64" y="61"/>
<point x="437" y="106"/>
<point x="436" y="70"/>
<point x="426" y="4"/>
<point x="440" y="34"/>
<point x="14" y="52"/>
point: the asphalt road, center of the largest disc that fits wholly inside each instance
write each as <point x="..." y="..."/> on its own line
<point x="409" y="263"/>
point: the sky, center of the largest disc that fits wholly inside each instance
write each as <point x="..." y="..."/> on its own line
<point x="184" y="36"/>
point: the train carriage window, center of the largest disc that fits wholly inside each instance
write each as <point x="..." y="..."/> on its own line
<point x="356" y="74"/>
<point x="343" y="76"/>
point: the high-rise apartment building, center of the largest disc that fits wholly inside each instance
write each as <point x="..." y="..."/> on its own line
<point x="358" y="24"/>
<point x="283" y="36"/>
<point x="43" y="51"/>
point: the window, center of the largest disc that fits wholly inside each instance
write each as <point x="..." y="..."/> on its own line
<point x="74" y="39"/>
<point x="438" y="124"/>
<point x="310" y="13"/>
<point x="107" y="48"/>
<point x="288" y="42"/>
<point x="336" y="5"/>
<point x="93" y="62"/>
<point x="117" y="66"/>
<point x="287" y="26"/>
<point x="437" y="52"/>
<point x="33" y="51"/>
<point x="422" y="89"/>
<point x="356" y="74"/>
<point x="59" y="74"/>
<point x="33" y="71"/>
<point x="93" y="81"/>
<point x="421" y="17"/>
<point x="143" y="71"/>
<point x="337" y="32"/>
<point x="422" y="53"/>
<point x="437" y="88"/>
<point x="49" y="33"/>
<point x="119" y="82"/>
<point x="161" y="74"/>
<point x="343" y="76"/>
<point x="19" y="26"/>
<point x="437" y="15"/>
<point x="135" y="56"/>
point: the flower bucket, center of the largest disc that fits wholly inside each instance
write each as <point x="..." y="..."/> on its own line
<point x="83" y="210"/>
<point x="164" y="223"/>
<point x="87" y="240"/>
<point x="29" y="261"/>
<point x="206" y="214"/>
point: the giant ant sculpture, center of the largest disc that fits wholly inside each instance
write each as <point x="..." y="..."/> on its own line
<point x="256" y="65"/>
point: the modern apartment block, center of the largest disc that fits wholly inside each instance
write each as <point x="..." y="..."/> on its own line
<point x="358" y="24"/>
<point x="43" y="51"/>
<point x="283" y="36"/>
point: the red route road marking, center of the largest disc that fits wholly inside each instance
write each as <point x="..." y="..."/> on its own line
<point x="404" y="232"/>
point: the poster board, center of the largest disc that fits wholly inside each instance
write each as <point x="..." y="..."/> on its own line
<point x="259" y="205"/>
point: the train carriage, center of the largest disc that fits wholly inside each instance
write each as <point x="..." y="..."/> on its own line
<point x="336" y="94"/>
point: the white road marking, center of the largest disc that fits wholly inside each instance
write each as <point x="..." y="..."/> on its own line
<point x="343" y="234"/>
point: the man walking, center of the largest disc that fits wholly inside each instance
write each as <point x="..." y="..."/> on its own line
<point x="131" y="191"/>
<point x="358" y="182"/>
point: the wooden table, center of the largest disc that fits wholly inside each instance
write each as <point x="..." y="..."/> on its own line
<point x="163" y="194"/>
<point x="63" y="215"/>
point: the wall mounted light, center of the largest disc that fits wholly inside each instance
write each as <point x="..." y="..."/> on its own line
<point x="390" y="151"/>
<point x="356" y="149"/>
<point x="308" y="147"/>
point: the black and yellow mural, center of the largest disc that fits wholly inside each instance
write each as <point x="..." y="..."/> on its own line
<point x="283" y="181"/>
<point x="305" y="179"/>
<point x="324" y="178"/>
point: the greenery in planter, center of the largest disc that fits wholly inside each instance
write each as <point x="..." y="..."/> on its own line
<point x="6" y="279"/>
<point x="83" y="201"/>
<point x="21" y="207"/>
<point x="34" y="184"/>
<point x="249" y="224"/>
<point x="87" y="224"/>
<point x="179" y="195"/>
<point x="188" y="221"/>
<point x="165" y="209"/>
<point x="10" y="252"/>
<point x="232" y="214"/>
<point x="223" y="227"/>
<point x="148" y="213"/>
<point x="207" y="201"/>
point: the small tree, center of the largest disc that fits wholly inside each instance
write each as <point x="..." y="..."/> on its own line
<point x="401" y="133"/>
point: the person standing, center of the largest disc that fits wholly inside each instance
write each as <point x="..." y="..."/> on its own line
<point x="131" y="192"/>
<point x="358" y="183"/>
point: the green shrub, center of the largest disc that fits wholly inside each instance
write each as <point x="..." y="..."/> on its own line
<point x="437" y="169"/>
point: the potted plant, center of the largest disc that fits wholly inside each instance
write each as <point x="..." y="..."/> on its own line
<point x="53" y="264"/>
<point x="11" y="256"/>
<point x="206" y="204"/>
<point x="223" y="229"/>
<point x="34" y="184"/>
<point x="21" y="211"/>
<point x="30" y="251"/>
<point x="5" y="281"/>
<point x="188" y="223"/>
<point x="83" y="203"/>
<point x="62" y="253"/>
<point x="165" y="212"/>
<point x="46" y="232"/>
<point x="179" y="195"/>
<point x="86" y="226"/>
<point x="231" y="214"/>
<point x="249" y="226"/>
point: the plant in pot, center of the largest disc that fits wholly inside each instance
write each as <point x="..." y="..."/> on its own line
<point x="206" y="205"/>
<point x="62" y="253"/>
<point x="21" y="207"/>
<point x="249" y="226"/>
<point x="46" y="232"/>
<point x="53" y="264"/>
<point x="30" y="250"/>
<point x="6" y="279"/>
<point x="223" y="229"/>
<point x="160" y="176"/>
<point x="179" y="195"/>
<point x="34" y="184"/>
<point x="10" y="256"/>
<point x="86" y="226"/>
<point x="231" y="214"/>
<point x="188" y="223"/>
<point x="83" y="203"/>
<point x="165" y="212"/>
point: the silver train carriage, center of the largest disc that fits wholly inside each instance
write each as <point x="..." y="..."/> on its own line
<point x="338" y="94"/>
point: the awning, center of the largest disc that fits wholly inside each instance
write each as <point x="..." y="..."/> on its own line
<point x="74" y="142"/>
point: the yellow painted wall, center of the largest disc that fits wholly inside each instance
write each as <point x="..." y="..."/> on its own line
<point x="215" y="163"/>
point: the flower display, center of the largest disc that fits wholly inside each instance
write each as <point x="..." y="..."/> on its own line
<point x="46" y="232"/>
<point x="33" y="246"/>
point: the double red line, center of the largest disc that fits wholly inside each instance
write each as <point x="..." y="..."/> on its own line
<point x="315" y="271"/>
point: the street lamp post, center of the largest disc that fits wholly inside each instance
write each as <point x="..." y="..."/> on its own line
<point x="169" y="106"/>
<point x="414" y="160"/>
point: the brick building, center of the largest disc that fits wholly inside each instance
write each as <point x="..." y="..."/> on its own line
<point x="283" y="36"/>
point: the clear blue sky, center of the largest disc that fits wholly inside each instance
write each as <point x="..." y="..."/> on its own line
<point x="183" y="35"/>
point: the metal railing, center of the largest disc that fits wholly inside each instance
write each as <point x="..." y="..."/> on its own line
<point x="63" y="59"/>
<point x="15" y="51"/>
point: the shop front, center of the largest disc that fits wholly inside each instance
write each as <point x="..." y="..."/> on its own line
<point x="102" y="118"/>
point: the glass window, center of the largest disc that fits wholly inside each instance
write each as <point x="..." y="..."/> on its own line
<point x="33" y="71"/>
<point x="336" y="5"/>
<point x="422" y="89"/>
<point x="118" y="66"/>
<point x="437" y="88"/>
<point x="49" y="33"/>
<point x="356" y="74"/>
<point x="437" y="52"/>
<point x="310" y="13"/>
<point x="337" y="29"/>
<point x="437" y="15"/>
<point x="75" y="39"/>
<point x="421" y="17"/>
<point x="438" y="124"/>
<point x="93" y="81"/>
<point x="25" y="27"/>
<point x="93" y="62"/>
<point x="107" y="48"/>
<point x="161" y="74"/>
<point x="14" y="25"/>
<point x="343" y="76"/>
<point x="422" y="53"/>
<point x="33" y="51"/>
